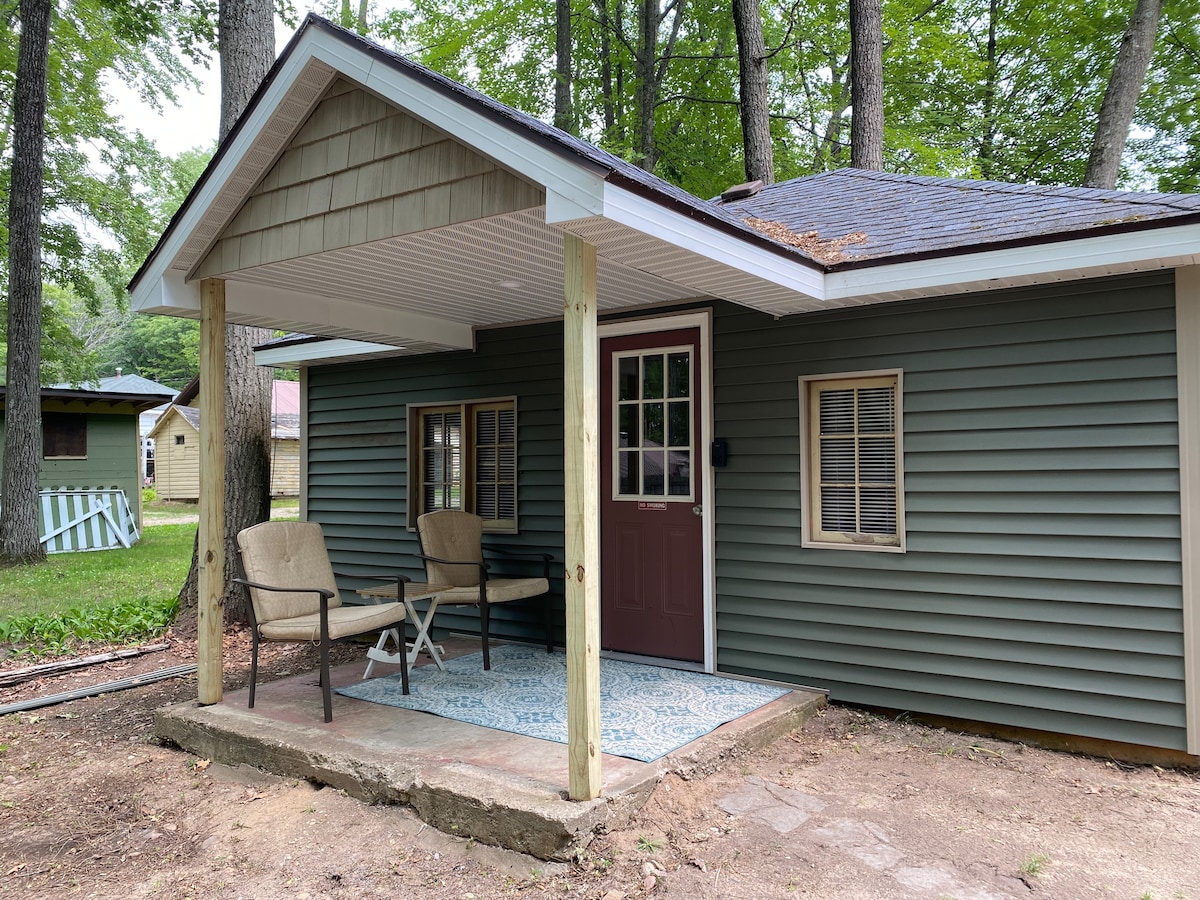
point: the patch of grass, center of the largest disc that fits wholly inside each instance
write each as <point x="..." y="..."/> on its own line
<point x="107" y="595"/>
<point x="1034" y="865"/>
<point x="163" y="509"/>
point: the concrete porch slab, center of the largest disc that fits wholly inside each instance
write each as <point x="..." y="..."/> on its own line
<point x="499" y="788"/>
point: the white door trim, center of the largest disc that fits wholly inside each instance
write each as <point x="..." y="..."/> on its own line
<point x="701" y="319"/>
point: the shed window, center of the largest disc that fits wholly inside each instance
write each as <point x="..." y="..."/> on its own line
<point x="852" y="469"/>
<point x="64" y="436"/>
<point x="464" y="456"/>
<point x="180" y="440"/>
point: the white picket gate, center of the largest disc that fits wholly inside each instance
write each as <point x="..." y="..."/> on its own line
<point x="97" y="519"/>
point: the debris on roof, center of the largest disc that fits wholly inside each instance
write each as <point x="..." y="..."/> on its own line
<point x="823" y="250"/>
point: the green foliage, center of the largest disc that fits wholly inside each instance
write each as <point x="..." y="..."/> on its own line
<point x="60" y="634"/>
<point x="1025" y="112"/>
<point x="162" y="348"/>
<point x="107" y="596"/>
<point x="108" y="191"/>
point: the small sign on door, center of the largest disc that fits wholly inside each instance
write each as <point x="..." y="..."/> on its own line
<point x="651" y="504"/>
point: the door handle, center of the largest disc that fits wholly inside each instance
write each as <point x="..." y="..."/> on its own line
<point x="698" y="510"/>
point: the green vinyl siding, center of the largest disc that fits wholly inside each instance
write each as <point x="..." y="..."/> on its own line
<point x="1041" y="584"/>
<point x="112" y="458"/>
<point x="358" y="460"/>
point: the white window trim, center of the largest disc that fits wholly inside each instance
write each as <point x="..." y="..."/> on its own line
<point x="806" y="463"/>
<point x="413" y="463"/>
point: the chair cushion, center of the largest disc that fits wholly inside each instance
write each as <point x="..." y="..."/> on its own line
<point x="343" y="622"/>
<point x="500" y="590"/>
<point x="287" y="554"/>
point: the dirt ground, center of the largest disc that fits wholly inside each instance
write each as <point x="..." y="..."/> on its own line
<point x="852" y="806"/>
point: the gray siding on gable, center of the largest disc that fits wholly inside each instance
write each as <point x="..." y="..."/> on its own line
<point x="358" y="458"/>
<point x="1041" y="587"/>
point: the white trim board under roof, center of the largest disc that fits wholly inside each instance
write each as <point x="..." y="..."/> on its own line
<point x="427" y="291"/>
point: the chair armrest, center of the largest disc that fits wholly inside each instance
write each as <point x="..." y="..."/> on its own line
<point x="325" y="593"/>
<point x="455" y="562"/>
<point x="391" y="578"/>
<point x="519" y="554"/>
<point x="371" y="576"/>
<point x="543" y="558"/>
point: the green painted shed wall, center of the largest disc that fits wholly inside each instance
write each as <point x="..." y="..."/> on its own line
<point x="1041" y="587"/>
<point x="112" y="458"/>
<point x="358" y="459"/>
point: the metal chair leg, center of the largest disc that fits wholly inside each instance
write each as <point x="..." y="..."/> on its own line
<point x="253" y="664"/>
<point x="483" y="626"/>
<point x="326" y="690"/>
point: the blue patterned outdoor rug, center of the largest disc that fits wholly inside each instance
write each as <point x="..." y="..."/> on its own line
<point x="645" y="712"/>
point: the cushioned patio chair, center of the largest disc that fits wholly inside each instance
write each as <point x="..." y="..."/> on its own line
<point x="452" y="548"/>
<point x="294" y="597"/>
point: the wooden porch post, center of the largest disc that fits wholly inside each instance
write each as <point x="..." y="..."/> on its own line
<point x="582" y="502"/>
<point x="211" y="538"/>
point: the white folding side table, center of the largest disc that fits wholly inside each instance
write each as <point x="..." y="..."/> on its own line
<point x="412" y="593"/>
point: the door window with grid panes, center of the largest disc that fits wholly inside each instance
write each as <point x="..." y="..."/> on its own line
<point x="653" y="425"/>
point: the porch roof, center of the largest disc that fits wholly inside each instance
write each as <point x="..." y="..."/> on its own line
<point x="384" y="290"/>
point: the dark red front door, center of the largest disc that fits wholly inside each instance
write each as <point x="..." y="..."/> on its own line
<point x="651" y="551"/>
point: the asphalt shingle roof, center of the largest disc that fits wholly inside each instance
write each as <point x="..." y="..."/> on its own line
<point x="906" y="216"/>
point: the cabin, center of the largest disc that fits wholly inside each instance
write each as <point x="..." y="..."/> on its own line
<point x="929" y="444"/>
<point x="90" y="438"/>
<point x="176" y="442"/>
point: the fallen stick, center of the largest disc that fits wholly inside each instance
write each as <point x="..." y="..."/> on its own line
<point x="18" y="676"/>
<point x="120" y="684"/>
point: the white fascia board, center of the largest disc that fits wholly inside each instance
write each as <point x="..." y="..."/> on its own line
<point x="1153" y="248"/>
<point x="301" y="311"/>
<point x="313" y="350"/>
<point x="168" y="295"/>
<point x="572" y="181"/>
<point x="653" y="219"/>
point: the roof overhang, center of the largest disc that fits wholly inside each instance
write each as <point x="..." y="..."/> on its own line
<point x="71" y="400"/>
<point x="430" y="291"/>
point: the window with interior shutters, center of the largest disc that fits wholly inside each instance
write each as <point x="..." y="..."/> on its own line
<point x="853" y="472"/>
<point x="441" y="459"/>
<point x="496" y="463"/>
<point x="466" y="456"/>
<point x="64" y="436"/>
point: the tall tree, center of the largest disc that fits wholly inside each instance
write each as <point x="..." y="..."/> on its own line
<point x="564" y="113"/>
<point x="246" y="30"/>
<point x="19" y="538"/>
<point x="866" y="84"/>
<point x="1121" y="96"/>
<point x="753" y="97"/>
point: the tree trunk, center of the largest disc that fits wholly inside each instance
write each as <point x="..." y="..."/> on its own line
<point x="647" y="47"/>
<point x="606" y="71"/>
<point x="987" y="149"/>
<point x="1120" y="99"/>
<point x="247" y="36"/>
<point x="759" y="153"/>
<point x="866" y="84"/>
<point x="20" y="541"/>
<point x="564" y="116"/>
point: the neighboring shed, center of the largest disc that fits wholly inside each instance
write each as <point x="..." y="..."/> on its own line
<point x="931" y="444"/>
<point x="90" y="437"/>
<point x="177" y="444"/>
